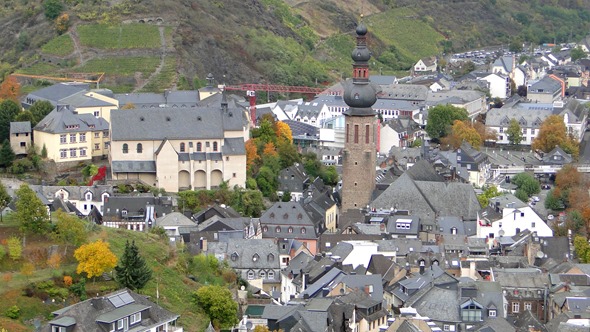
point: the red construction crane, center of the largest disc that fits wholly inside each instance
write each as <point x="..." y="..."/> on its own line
<point x="252" y="88"/>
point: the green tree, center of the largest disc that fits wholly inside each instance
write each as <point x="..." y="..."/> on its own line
<point x="515" y="46"/>
<point x="582" y="249"/>
<point x="441" y="118"/>
<point x="553" y="202"/>
<point x="6" y="154"/>
<point x="286" y="196"/>
<point x="329" y="175"/>
<point x="250" y="203"/>
<point x="267" y="181"/>
<point x="52" y="8"/>
<point x="522" y="195"/>
<point x="40" y="109"/>
<point x="9" y="109"/>
<point x="4" y="200"/>
<point x="527" y="183"/>
<point x="44" y="151"/>
<point x="577" y="53"/>
<point x="488" y="192"/>
<point x="514" y="132"/>
<point x="25" y="116"/>
<point x="218" y="304"/>
<point x="132" y="271"/>
<point x="31" y="213"/>
<point x="69" y="230"/>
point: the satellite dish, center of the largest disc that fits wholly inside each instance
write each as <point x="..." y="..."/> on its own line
<point x="501" y="232"/>
<point x="540" y="254"/>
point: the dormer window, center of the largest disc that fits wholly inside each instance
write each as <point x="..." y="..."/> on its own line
<point x="492" y="313"/>
<point x="88" y="196"/>
<point x="303" y="230"/>
<point x="270" y="257"/>
<point x="124" y="212"/>
<point x="234" y="256"/>
<point x="255" y="258"/>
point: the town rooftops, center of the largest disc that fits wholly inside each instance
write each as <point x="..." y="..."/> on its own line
<point x="20" y="127"/>
<point x="63" y="120"/>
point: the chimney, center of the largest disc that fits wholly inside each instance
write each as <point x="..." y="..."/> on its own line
<point x="422" y="266"/>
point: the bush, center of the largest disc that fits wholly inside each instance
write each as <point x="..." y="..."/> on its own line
<point x="52" y="8"/>
<point x="13" y="312"/>
<point x="79" y="289"/>
<point x="15" y="248"/>
<point x="2" y="252"/>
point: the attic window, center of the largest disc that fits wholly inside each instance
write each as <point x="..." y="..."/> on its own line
<point x="271" y="257"/>
<point x="199" y="118"/>
<point x="234" y="256"/>
<point x="278" y="229"/>
<point x="303" y="230"/>
<point x="141" y="118"/>
<point x="272" y="214"/>
<point x="255" y="257"/>
<point x="286" y="216"/>
<point x="168" y="118"/>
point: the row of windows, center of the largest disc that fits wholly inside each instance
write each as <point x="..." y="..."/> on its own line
<point x="73" y="153"/>
<point x="139" y="147"/>
<point x="74" y="138"/>
<point x="278" y="229"/>
<point x="261" y="275"/>
<point x="516" y="307"/>
<point x="356" y="133"/>
<point x="524" y="130"/>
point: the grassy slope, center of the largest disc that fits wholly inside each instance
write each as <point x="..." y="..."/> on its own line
<point x="174" y="288"/>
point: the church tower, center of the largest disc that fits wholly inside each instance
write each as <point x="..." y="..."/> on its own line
<point x="359" y="156"/>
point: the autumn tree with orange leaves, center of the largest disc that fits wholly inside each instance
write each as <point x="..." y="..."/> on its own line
<point x="95" y="258"/>
<point x="462" y="131"/>
<point x="10" y="88"/>
<point x="552" y="133"/>
<point x="571" y="193"/>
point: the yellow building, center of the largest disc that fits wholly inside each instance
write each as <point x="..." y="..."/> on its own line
<point x="70" y="137"/>
<point x="180" y="148"/>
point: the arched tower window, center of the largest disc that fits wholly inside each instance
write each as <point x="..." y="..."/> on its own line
<point x="356" y="133"/>
<point x="199" y="147"/>
<point x="182" y="147"/>
<point x="139" y="148"/>
<point x="125" y="148"/>
<point x="367" y="134"/>
<point x="214" y="146"/>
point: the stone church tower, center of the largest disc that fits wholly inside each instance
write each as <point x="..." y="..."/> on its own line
<point x="359" y="156"/>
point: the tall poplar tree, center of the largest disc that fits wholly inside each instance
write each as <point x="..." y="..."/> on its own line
<point x="132" y="271"/>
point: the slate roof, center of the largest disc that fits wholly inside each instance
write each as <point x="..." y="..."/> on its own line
<point x="85" y="314"/>
<point x="405" y="92"/>
<point x="20" y="127"/>
<point x="75" y="192"/>
<point x="505" y="61"/>
<point x="293" y="179"/>
<point x="174" y="123"/>
<point x="440" y="304"/>
<point x="136" y="205"/>
<point x="56" y="121"/>
<point x="133" y="166"/>
<point x="545" y="85"/>
<point x="248" y="253"/>
<point x="284" y="215"/>
<point x="174" y="219"/>
<point x="529" y="115"/>
<point x="426" y="196"/>
<point x="57" y="92"/>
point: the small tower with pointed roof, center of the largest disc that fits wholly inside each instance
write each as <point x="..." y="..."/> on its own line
<point x="359" y="157"/>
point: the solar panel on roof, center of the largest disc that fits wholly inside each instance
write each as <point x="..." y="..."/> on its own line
<point x="116" y="301"/>
<point x="126" y="298"/>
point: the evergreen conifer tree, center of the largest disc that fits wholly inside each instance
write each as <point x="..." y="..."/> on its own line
<point x="132" y="271"/>
<point x="6" y="154"/>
